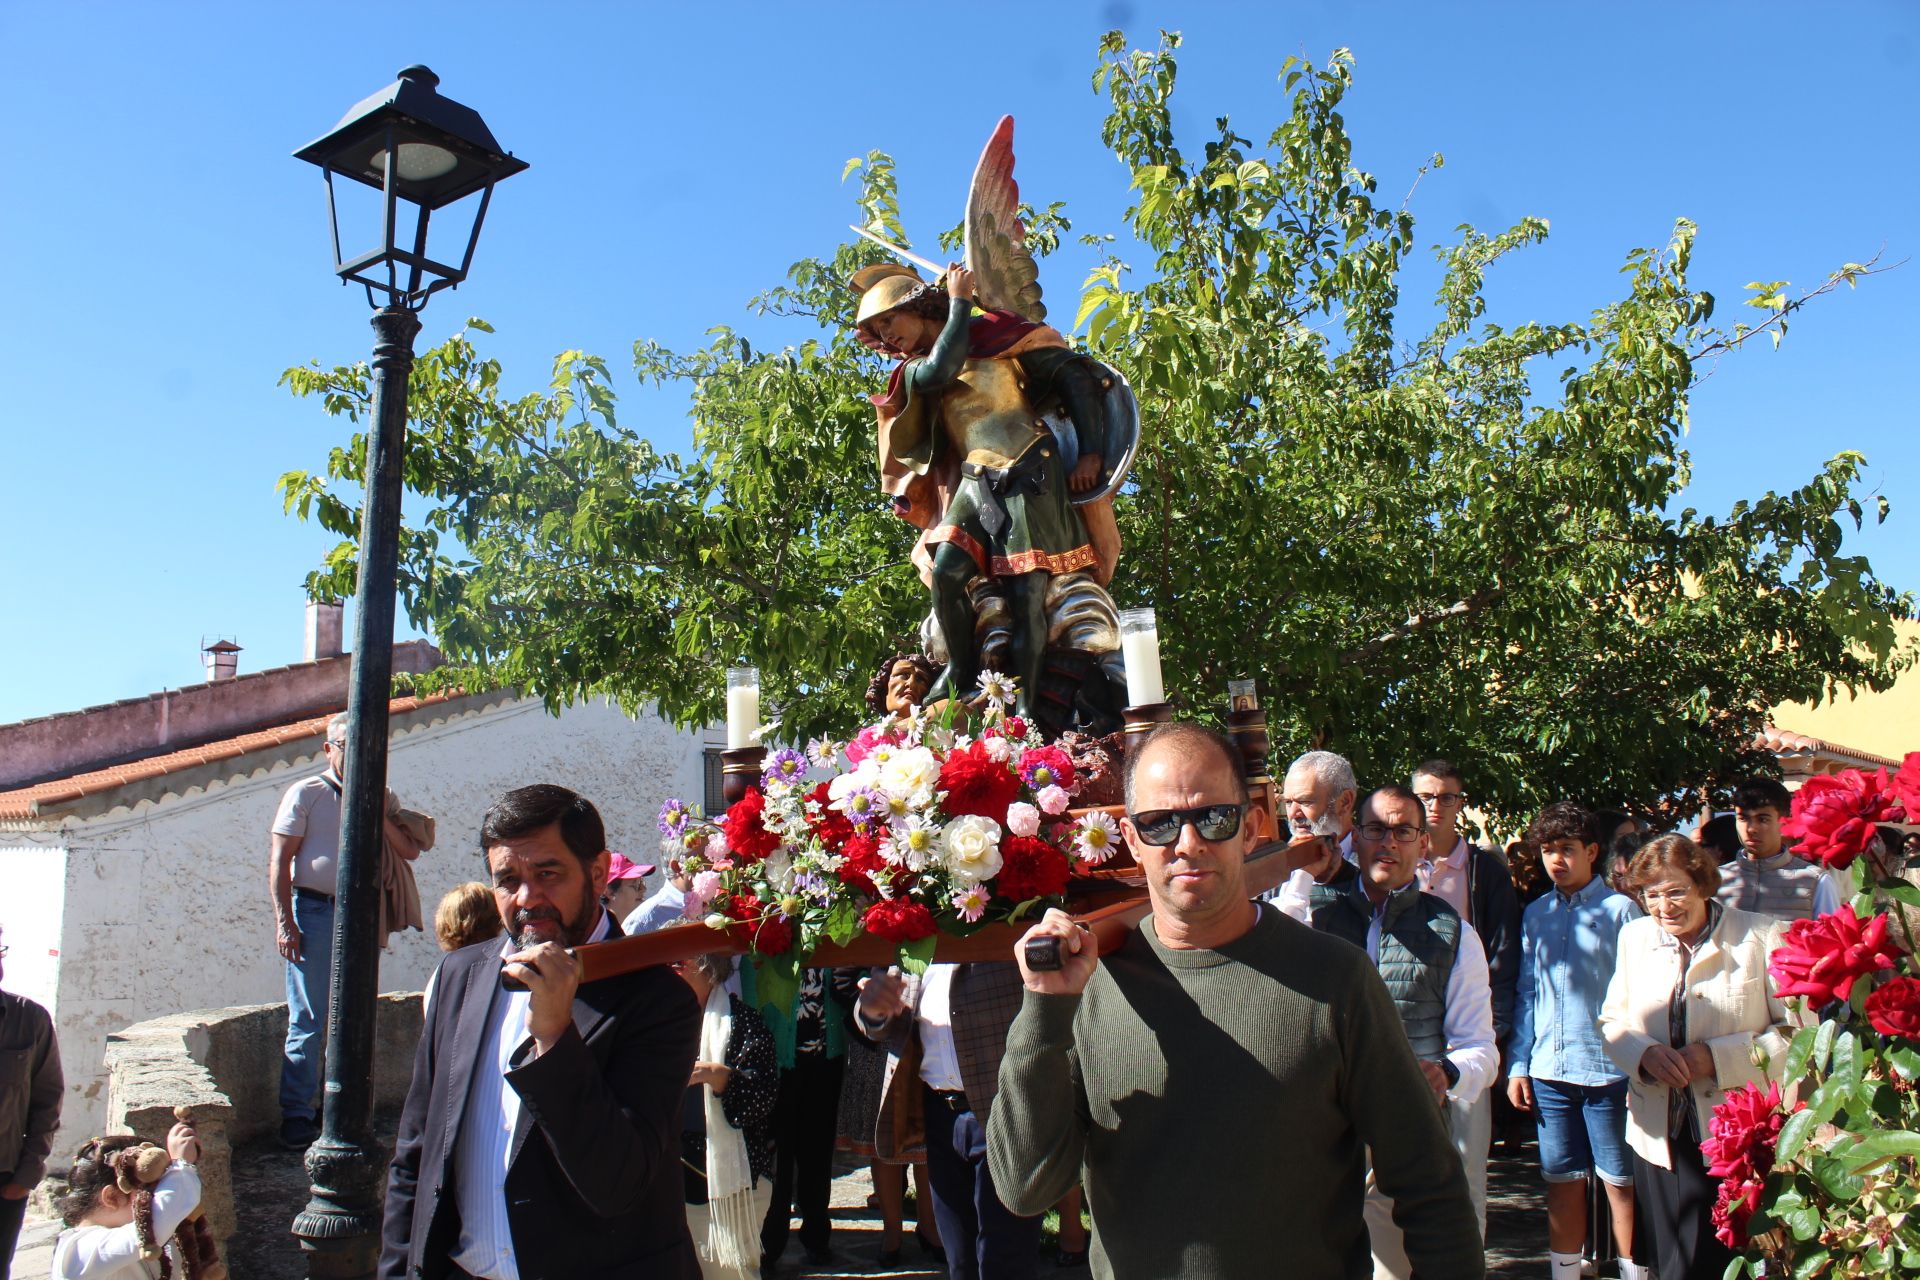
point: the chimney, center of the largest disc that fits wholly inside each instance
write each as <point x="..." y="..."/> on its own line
<point x="324" y="628"/>
<point x="222" y="659"/>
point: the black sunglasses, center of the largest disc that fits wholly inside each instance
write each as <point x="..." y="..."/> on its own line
<point x="1161" y="827"/>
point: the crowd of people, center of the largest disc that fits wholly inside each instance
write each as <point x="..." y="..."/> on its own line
<point x="1302" y="1079"/>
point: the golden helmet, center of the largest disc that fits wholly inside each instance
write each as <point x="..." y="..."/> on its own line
<point x="882" y="287"/>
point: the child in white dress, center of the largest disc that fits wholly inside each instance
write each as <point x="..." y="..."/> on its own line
<point x="103" y="1241"/>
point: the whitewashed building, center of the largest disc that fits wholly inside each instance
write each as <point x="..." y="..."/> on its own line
<point x="134" y="836"/>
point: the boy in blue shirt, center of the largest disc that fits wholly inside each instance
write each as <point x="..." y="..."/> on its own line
<point x="1557" y="1064"/>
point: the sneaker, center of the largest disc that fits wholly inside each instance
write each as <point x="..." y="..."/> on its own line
<point x="297" y="1133"/>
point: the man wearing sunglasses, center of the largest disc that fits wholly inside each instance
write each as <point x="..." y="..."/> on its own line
<point x="1436" y="971"/>
<point x="1219" y="1078"/>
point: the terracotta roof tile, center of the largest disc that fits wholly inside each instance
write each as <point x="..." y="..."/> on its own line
<point x="26" y="802"/>
<point x="1786" y="742"/>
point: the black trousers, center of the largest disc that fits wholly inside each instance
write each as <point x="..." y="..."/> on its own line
<point x="12" y="1214"/>
<point x="1675" y="1206"/>
<point x="806" y="1118"/>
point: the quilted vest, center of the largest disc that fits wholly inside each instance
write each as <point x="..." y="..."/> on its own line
<point x="1781" y="886"/>
<point x="1419" y="941"/>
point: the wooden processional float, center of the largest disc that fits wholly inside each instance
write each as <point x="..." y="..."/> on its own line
<point x="1109" y="900"/>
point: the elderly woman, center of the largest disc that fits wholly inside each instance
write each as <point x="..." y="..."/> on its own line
<point x="1688" y="1002"/>
<point x="724" y="1142"/>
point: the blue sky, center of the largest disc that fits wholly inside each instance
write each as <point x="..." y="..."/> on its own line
<point x="166" y="258"/>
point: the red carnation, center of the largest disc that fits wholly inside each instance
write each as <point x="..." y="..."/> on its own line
<point x="1834" y="814"/>
<point x="977" y="783"/>
<point x="898" y="920"/>
<point x="1047" y="767"/>
<point x="1015" y="727"/>
<point x="1031" y="868"/>
<point x="766" y="930"/>
<point x="1733" y="1210"/>
<point x="1743" y="1131"/>
<point x="1821" y="958"/>
<point x="748" y="839"/>
<point x="863" y="861"/>
<point x="831" y="825"/>
<point x="1894" y="1009"/>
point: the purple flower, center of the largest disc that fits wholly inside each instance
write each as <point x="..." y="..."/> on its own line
<point x="785" y="767"/>
<point x="673" y="818"/>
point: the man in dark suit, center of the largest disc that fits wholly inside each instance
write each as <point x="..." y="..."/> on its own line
<point x="540" y="1139"/>
<point x="945" y="1034"/>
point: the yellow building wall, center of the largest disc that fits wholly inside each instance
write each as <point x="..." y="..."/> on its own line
<point x="1885" y="724"/>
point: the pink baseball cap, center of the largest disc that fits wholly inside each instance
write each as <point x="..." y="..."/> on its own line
<point x="621" y="868"/>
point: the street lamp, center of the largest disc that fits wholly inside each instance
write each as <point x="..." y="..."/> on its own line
<point x="422" y="152"/>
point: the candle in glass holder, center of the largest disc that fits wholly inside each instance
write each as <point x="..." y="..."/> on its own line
<point x="743" y="706"/>
<point x="1140" y="650"/>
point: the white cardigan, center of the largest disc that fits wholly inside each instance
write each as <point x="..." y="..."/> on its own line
<point x="1730" y="1008"/>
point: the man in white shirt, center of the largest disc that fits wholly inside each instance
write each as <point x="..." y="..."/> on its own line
<point x="541" y="1133"/>
<point x="952" y="1024"/>
<point x="1436" y="971"/>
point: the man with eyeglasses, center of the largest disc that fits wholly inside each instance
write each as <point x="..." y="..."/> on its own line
<point x="1436" y="971"/>
<point x="1475" y="882"/>
<point x="1225" y="1070"/>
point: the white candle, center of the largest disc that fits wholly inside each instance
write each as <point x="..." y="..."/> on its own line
<point x="1140" y="651"/>
<point x="743" y="706"/>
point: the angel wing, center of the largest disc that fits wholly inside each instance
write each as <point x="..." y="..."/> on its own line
<point x="1006" y="278"/>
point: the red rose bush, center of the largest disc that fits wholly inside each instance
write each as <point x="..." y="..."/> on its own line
<point x="1818" y="1164"/>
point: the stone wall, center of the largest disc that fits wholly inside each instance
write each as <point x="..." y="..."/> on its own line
<point x="224" y="1064"/>
<point x="163" y="906"/>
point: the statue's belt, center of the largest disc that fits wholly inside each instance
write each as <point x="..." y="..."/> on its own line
<point x="1027" y="475"/>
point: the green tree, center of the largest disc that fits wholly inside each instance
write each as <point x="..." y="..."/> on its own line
<point x="1458" y="541"/>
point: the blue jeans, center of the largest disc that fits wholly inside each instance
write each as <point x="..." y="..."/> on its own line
<point x="1583" y="1127"/>
<point x="984" y="1241"/>
<point x="308" y="984"/>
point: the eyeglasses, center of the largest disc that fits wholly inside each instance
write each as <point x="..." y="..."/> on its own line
<point x="1403" y="833"/>
<point x="1161" y="827"/>
<point x="1445" y="799"/>
<point x="338" y="744"/>
<point x="1666" y="899"/>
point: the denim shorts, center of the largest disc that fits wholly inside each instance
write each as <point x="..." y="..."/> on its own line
<point x="1583" y="1128"/>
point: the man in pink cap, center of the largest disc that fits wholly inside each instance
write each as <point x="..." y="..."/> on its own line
<point x="626" y="885"/>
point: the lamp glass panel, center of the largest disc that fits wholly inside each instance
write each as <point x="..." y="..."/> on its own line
<point x="419" y="162"/>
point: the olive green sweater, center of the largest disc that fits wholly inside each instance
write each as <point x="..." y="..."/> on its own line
<point x="1222" y="1104"/>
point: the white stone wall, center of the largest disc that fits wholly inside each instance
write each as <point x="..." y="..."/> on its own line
<point x="164" y="908"/>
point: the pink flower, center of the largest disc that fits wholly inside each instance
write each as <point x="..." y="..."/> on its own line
<point x="971" y="903"/>
<point x="1053" y="800"/>
<point x="1743" y="1132"/>
<point x="866" y="740"/>
<point x="1023" y="819"/>
<point x="1821" y="958"/>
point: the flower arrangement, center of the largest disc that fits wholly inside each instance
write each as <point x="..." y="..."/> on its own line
<point x="1824" y="1180"/>
<point x="916" y="829"/>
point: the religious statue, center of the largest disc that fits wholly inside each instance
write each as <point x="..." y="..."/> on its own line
<point x="899" y="686"/>
<point x="1004" y="446"/>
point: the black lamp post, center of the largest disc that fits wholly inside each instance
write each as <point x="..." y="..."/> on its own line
<point x="422" y="152"/>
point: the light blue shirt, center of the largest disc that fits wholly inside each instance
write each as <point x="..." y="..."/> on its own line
<point x="1567" y="948"/>
<point x="667" y="906"/>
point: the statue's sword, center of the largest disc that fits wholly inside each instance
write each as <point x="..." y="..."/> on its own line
<point x="905" y="255"/>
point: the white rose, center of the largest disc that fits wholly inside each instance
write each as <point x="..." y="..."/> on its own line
<point x="972" y="847"/>
<point x="911" y="775"/>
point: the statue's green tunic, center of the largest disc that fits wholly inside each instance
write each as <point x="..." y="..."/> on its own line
<point x="974" y="417"/>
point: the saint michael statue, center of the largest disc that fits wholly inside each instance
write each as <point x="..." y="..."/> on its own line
<point x="1004" y="446"/>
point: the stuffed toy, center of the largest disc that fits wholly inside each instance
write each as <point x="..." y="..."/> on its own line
<point x="136" y="1171"/>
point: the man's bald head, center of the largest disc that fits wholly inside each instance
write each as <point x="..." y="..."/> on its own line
<point x="1185" y="740"/>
